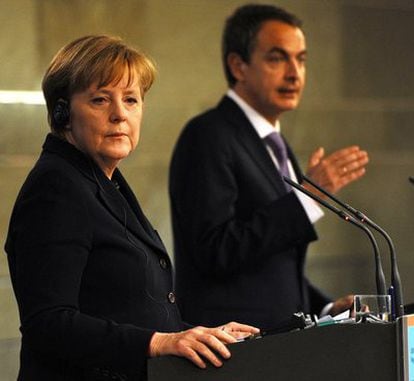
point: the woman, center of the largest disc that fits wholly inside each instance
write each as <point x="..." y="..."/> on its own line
<point x="91" y="277"/>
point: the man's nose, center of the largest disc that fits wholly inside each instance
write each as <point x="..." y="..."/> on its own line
<point x="292" y="70"/>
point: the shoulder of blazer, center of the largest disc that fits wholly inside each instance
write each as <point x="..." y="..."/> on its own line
<point x="84" y="171"/>
<point x="204" y="134"/>
<point x="248" y="135"/>
<point x="53" y="172"/>
<point x="226" y="128"/>
<point x="216" y="129"/>
<point x="227" y="114"/>
<point x="70" y="157"/>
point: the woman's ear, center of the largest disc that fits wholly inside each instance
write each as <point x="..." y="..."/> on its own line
<point x="61" y="114"/>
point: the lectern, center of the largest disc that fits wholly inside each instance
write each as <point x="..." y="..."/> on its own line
<point x="340" y="352"/>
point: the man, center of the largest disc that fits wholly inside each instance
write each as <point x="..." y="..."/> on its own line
<point x="240" y="232"/>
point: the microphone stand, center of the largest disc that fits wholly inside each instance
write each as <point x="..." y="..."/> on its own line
<point x="379" y="273"/>
<point x="396" y="288"/>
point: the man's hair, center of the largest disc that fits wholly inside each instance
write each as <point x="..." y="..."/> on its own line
<point x="93" y="59"/>
<point x="241" y="28"/>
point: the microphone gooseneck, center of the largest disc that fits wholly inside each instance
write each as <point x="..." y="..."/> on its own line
<point x="379" y="273"/>
<point x="395" y="275"/>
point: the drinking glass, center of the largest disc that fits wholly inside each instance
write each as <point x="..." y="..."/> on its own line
<point x="372" y="308"/>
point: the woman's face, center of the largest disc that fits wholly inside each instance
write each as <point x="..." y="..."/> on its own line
<point x="105" y="122"/>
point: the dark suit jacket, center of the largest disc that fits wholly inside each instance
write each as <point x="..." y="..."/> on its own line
<point x="91" y="277"/>
<point x="240" y="240"/>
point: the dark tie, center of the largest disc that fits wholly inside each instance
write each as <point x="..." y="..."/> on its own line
<point x="278" y="146"/>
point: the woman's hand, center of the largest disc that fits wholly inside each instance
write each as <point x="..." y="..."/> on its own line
<point x="200" y="343"/>
<point x="343" y="304"/>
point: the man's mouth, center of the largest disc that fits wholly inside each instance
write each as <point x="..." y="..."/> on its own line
<point x="288" y="91"/>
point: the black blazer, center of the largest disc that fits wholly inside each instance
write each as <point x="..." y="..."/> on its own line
<point x="91" y="277"/>
<point x="239" y="239"/>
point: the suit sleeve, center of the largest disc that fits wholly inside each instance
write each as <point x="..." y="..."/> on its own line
<point x="51" y="237"/>
<point x="206" y="181"/>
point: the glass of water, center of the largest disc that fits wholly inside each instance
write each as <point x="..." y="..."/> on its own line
<point x="372" y="308"/>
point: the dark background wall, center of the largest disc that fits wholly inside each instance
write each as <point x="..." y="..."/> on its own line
<point x="360" y="91"/>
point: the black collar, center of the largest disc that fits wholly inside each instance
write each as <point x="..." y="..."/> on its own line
<point x="121" y="202"/>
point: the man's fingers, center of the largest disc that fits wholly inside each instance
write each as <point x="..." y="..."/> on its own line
<point x="344" y="180"/>
<point x="316" y="157"/>
<point x="351" y="168"/>
<point x="351" y="162"/>
<point x="343" y="152"/>
<point x="352" y="176"/>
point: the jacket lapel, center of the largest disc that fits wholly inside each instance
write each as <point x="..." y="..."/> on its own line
<point x="123" y="206"/>
<point x="295" y="164"/>
<point x="135" y="212"/>
<point x="250" y="140"/>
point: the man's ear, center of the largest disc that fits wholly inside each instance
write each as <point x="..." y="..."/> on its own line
<point x="237" y="66"/>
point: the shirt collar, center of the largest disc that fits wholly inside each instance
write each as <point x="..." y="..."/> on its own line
<point x="262" y="126"/>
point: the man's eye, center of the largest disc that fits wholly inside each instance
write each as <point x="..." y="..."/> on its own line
<point x="276" y="58"/>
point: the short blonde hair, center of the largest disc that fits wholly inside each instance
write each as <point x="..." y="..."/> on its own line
<point x="92" y="59"/>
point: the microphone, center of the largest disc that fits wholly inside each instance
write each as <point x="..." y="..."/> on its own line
<point x="379" y="273"/>
<point x="396" y="286"/>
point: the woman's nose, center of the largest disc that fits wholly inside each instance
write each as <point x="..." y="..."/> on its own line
<point x="118" y="112"/>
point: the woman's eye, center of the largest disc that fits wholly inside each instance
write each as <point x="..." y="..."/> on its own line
<point x="98" y="100"/>
<point x="132" y="100"/>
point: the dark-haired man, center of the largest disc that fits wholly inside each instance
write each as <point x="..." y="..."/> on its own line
<point x="240" y="233"/>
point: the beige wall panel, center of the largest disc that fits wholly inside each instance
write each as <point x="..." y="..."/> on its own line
<point x="9" y="359"/>
<point x="9" y="326"/>
<point x="61" y="21"/>
<point x="19" y="52"/>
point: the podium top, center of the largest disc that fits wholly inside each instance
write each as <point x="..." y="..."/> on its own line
<point x="338" y="352"/>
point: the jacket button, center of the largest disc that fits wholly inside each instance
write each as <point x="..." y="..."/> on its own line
<point x="163" y="263"/>
<point x="171" y="297"/>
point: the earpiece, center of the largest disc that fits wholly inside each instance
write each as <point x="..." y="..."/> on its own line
<point x="61" y="114"/>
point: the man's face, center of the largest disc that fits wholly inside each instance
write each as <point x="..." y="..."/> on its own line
<point x="273" y="80"/>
